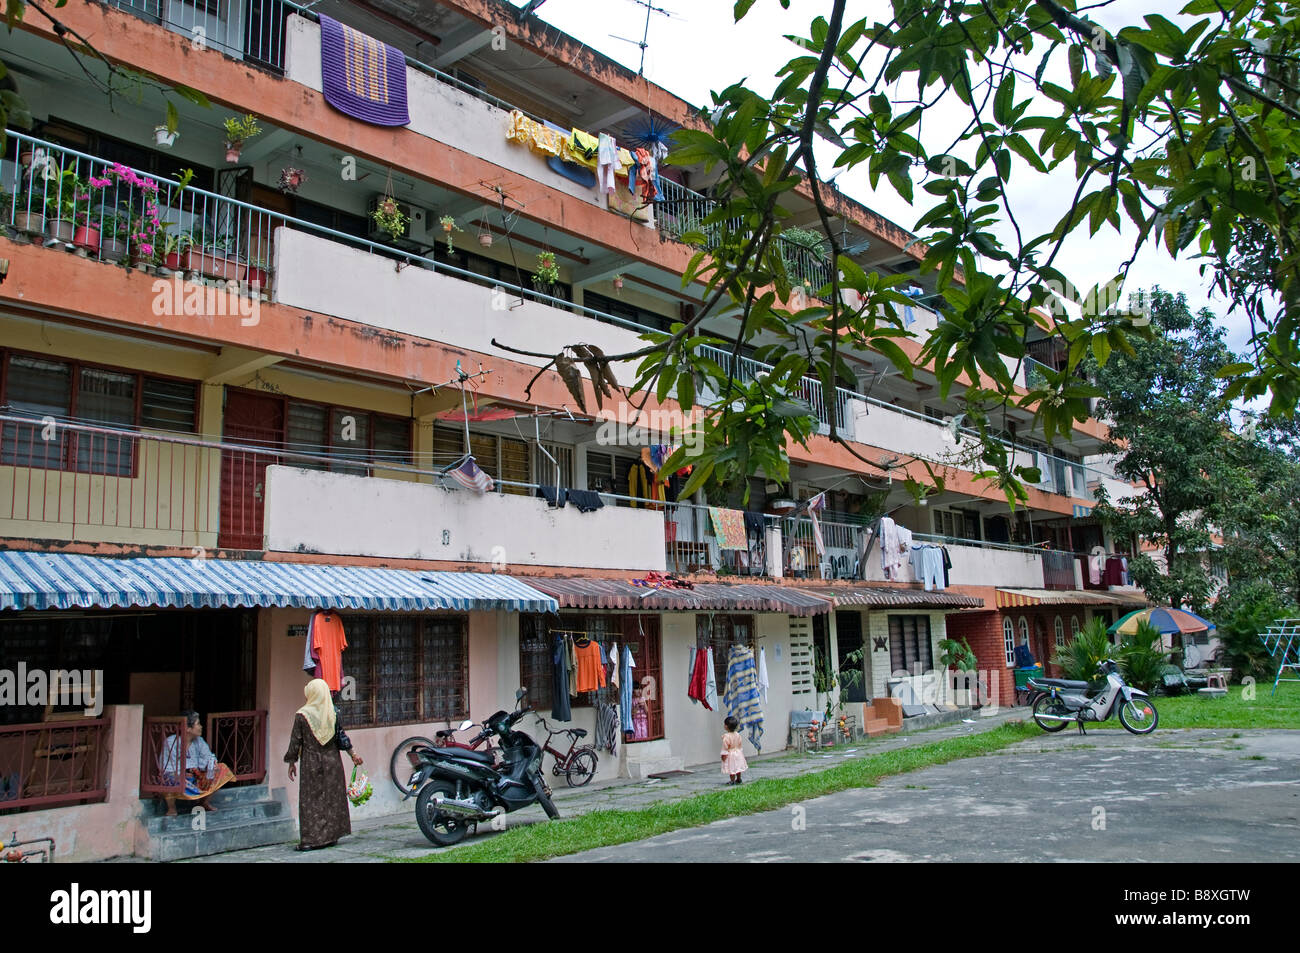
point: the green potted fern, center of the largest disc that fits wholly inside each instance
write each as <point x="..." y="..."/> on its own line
<point x="239" y="129"/>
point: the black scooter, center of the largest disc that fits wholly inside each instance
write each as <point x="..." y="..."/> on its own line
<point x="465" y="788"/>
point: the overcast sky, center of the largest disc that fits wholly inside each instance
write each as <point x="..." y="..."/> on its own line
<point x="696" y="48"/>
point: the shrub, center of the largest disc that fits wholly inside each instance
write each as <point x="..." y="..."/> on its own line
<point x="1078" y="658"/>
<point x="1241" y="615"/>
<point x="1142" y="657"/>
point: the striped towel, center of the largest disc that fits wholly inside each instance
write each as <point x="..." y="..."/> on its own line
<point x="471" y="477"/>
<point x="742" y="695"/>
<point x="362" y="77"/>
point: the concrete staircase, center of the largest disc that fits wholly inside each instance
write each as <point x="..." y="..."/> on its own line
<point x="245" y="817"/>
<point x="644" y="758"/>
<point x="883" y="716"/>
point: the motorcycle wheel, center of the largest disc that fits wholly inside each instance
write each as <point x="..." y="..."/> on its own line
<point x="1046" y="705"/>
<point x="400" y="768"/>
<point x="439" y="828"/>
<point x="1133" y="715"/>
<point x="544" y="799"/>
<point x="582" y="767"/>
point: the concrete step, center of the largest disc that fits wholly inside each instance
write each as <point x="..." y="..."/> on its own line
<point x="182" y="845"/>
<point x="224" y="816"/>
<point x="227" y="797"/>
<point x="877" y="726"/>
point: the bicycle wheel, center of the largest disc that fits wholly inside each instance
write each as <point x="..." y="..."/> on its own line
<point x="582" y="767"/>
<point x="400" y="768"/>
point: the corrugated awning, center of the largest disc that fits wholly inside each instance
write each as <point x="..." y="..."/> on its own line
<point x="581" y="592"/>
<point x="66" y="581"/>
<point x="890" y="597"/>
<point x="1010" y="598"/>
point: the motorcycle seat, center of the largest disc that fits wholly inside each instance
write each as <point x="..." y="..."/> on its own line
<point x="465" y="754"/>
<point x="1064" y="683"/>
<point x="446" y="733"/>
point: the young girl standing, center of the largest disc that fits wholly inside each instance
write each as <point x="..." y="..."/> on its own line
<point x="733" y="758"/>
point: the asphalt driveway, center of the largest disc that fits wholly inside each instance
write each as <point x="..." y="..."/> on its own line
<point x="1192" y="796"/>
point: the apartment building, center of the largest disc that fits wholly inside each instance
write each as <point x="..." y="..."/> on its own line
<point x="228" y="405"/>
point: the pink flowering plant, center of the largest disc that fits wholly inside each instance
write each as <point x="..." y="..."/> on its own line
<point x="139" y="222"/>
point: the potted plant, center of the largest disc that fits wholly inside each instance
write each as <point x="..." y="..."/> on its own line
<point x="389" y="217"/>
<point x="618" y="282"/>
<point x="259" y="272"/>
<point x="164" y="136"/>
<point x="217" y="260"/>
<point x="548" y="272"/>
<point x="174" y="250"/>
<point x="61" y="204"/>
<point x="485" y="237"/>
<point x="291" y="180"/>
<point x="449" y="225"/>
<point x="114" y="229"/>
<point x="238" y="131"/>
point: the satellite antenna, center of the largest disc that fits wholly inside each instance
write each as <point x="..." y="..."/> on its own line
<point x="645" y="34"/>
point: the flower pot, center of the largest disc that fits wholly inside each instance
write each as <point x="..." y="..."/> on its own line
<point x="446" y="227"/>
<point x="60" y="230"/>
<point x="485" y="240"/>
<point x="233" y="150"/>
<point x="25" y="157"/>
<point x="33" y="223"/>
<point x="215" y="264"/>
<point x="257" y="277"/>
<point x="86" y="237"/>
<point x="163" y="137"/>
<point x="618" y="284"/>
<point x="112" y="249"/>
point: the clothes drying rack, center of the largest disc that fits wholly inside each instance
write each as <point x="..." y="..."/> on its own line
<point x="1282" y="640"/>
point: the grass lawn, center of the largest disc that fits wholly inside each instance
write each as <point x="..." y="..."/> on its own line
<point x="1266" y="710"/>
<point x="605" y="828"/>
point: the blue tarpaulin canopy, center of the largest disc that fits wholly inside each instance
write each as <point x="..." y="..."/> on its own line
<point x="68" y="581"/>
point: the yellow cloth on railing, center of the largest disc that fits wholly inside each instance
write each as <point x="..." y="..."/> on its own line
<point x="583" y="149"/>
<point x="573" y="147"/>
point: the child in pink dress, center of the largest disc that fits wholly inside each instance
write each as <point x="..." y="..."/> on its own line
<point x="733" y="758"/>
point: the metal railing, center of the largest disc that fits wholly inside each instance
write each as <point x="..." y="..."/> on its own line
<point x="161" y="770"/>
<point x="252" y="31"/>
<point x="52" y="763"/>
<point x="238" y="740"/>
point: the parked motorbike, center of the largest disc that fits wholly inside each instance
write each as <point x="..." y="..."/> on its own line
<point x="1062" y="701"/>
<point x="460" y="787"/>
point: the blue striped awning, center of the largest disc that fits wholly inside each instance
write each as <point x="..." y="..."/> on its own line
<point x="68" y="581"/>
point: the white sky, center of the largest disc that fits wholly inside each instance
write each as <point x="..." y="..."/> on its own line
<point x="698" y="48"/>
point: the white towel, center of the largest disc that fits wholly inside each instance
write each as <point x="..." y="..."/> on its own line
<point x="762" y="674"/>
<point x="711" y="686"/>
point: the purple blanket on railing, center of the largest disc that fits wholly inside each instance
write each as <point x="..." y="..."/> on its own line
<point x="364" y="78"/>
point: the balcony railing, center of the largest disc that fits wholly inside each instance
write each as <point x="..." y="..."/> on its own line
<point x="253" y="30"/>
<point x="53" y="763"/>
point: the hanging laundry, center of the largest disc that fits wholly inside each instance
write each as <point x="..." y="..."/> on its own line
<point x="1124" y="575"/>
<point x="947" y="567"/>
<point x="554" y="496"/>
<point x="328" y="642"/>
<point x="1094" y="569"/>
<point x="613" y="664"/>
<point x="560" y="681"/>
<point x="927" y="566"/>
<point x="361" y="76"/>
<point x="471" y="477"/>
<point x="646" y="175"/>
<point x="310" y="660"/>
<point x="711" y="685"/>
<point x="643" y="484"/>
<point x="591" y="673"/>
<point x="606" y="160"/>
<point x="625" y="689"/>
<point x="697" y="690"/>
<point x="729" y="528"/>
<point x="571" y="660"/>
<point x="1113" y="575"/>
<point x="607" y="726"/>
<point x="584" y="148"/>
<point x="742" y="696"/>
<point x="763" y="682"/>
<point x="586" y="501"/>
<point x="815" y="506"/>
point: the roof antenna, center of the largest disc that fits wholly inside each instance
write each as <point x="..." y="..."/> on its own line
<point x="649" y="8"/>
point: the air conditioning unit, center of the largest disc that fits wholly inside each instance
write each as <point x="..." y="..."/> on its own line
<point x="416" y="221"/>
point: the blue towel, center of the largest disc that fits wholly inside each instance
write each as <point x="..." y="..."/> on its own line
<point x="741" y="697"/>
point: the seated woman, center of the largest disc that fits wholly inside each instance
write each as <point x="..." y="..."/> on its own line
<point x="202" y="772"/>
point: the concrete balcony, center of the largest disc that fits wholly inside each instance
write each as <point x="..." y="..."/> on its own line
<point x="338" y="514"/>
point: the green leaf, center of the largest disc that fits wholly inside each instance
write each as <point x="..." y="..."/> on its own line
<point x="742" y="7"/>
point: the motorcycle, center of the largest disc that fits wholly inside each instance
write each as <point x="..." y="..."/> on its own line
<point x="461" y="788"/>
<point x="404" y="767"/>
<point x="1062" y="701"/>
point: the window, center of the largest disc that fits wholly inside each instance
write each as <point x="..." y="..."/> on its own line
<point x="495" y="273"/>
<point x="721" y="632"/>
<point x="957" y="524"/>
<point x="909" y="643"/>
<point x="105" y="397"/>
<point x="628" y="312"/>
<point x="607" y="473"/>
<point x="1074" y="626"/>
<point x="537" y="642"/>
<point x="544" y="469"/>
<point x="1060" y="632"/>
<point x="1009" y="640"/>
<point x="1024" y="630"/>
<point x="345" y="433"/>
<point x="408" y="669"/>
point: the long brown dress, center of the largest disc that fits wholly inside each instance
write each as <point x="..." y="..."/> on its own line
<point x="323" y="788"/>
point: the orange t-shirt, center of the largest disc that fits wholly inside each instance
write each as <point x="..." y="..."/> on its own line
<point x="328" y="640"/>
<point x="591" y="674"/>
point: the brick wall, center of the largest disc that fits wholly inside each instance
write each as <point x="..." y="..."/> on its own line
<point x="983" y="631"/>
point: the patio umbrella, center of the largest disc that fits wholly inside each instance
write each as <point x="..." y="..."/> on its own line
<point x="1166" y="621"/>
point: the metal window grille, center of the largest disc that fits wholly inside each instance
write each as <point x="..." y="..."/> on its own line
<point x="721" y="632"/>
<point x="909" y="642"/>
<point x="408" y="670"/>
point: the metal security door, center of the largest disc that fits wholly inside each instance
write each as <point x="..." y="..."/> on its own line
<point x="252" y="420"/>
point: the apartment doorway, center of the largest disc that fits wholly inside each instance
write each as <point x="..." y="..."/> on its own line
<point x="256" y="420"/>
<point x="852" y="670"/>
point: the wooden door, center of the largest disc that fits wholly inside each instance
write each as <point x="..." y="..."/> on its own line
<point x="252" y="420"/>
<point x="641" y="635"/>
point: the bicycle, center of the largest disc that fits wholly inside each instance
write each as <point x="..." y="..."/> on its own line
<point x="405" y="760"/>
<point x="578" y="765"/>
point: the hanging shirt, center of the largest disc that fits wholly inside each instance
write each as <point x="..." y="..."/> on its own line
<point x="711" y="686"/>
<point x="625" y="689"/>
<point x="310" y="662"/>
<point x="763" y="682"/>
<point x="560" y="681"/>
<point x="329" y="641"/>
<point x="591" y="673"/>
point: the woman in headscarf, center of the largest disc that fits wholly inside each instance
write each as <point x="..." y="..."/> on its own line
<point x="317" y="740"/>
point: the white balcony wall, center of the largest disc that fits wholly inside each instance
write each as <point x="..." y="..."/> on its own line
<point x="985" y="566"/>
<point x="330" y="278"/>
<point x="338" y="514"/>
<point x="891" y="430"/>
<point x="440" y="111"/>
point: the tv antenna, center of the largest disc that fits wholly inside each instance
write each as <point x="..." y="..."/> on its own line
<point x="645" y="34"/>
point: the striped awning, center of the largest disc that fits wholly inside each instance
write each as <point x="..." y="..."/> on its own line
<point x="891" y="597"/>
<point x="583" y="592"/>
<point x="1010" y="598"/>
<point x="67" y="581"/>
